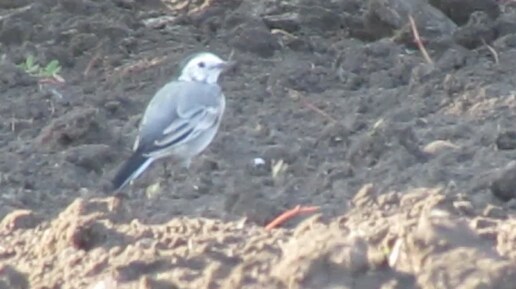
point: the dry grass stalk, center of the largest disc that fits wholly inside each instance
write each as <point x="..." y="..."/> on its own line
<point x="419" y="43"/>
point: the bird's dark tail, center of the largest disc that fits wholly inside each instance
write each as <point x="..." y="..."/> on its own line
<point x="130" y="170"/>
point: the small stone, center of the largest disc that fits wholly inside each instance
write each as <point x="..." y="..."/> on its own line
<point x="460" y="10"/>
<point x="258" y="162"/>
<point x="481" y="223"/>
<point x="279" y="152"/>
<point x="504" y="184"/>
<point x="112" y="105"/>
<point x="494" y="212"/>
<point x="386" y="17"/>
<point x="506" y="140"/>
<point x="438" y="146"/>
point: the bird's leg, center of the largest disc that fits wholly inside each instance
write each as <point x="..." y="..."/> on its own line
<point x="186" y="167"/>
<point x="166" y="172"/>
<point x="187" y="163"/>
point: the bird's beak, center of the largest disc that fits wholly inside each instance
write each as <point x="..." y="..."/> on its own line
<point x="226" y="65"/>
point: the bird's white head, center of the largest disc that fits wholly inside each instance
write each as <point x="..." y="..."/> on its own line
<point x="204" y="67"/>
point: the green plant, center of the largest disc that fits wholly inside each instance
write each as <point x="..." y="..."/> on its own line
<point x="29" y="65"/>
<point x="51" y="70"/>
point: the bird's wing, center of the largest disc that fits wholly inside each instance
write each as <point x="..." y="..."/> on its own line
<point x="179" y="112"/>
<point x="188" y="126"/>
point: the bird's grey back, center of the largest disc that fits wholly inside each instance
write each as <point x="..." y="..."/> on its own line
<point x="170" y="102"/>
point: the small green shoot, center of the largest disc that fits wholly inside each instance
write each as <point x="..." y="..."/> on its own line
<point x="51" y="70"/>
<point x="29" y="65"/>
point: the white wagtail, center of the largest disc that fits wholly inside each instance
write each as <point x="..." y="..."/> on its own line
<point x="181" y="120"/>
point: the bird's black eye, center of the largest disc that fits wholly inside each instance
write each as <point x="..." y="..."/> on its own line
<point x="201" y="64"/>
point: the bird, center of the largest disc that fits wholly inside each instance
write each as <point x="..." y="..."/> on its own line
<point x="181" y="119"/>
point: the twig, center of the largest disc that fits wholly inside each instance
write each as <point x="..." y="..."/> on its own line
<point x="419" y="43"/>
<point x="492" y="50"/>
<point x="231" y="54"/>
<point x="15" y="12"/>
<point x="54" y="79"/>
<point x="284" y="33"/>
<point x="138" y="66"/>
<point x="289" y="215"/>
<point x="93" y="60"/>
<point x="311" y="106"/>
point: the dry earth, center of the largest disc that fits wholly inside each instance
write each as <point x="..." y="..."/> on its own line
<point x="411" y="164"/>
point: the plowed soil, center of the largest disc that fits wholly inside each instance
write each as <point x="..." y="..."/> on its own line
<point x="409" y="160"/>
